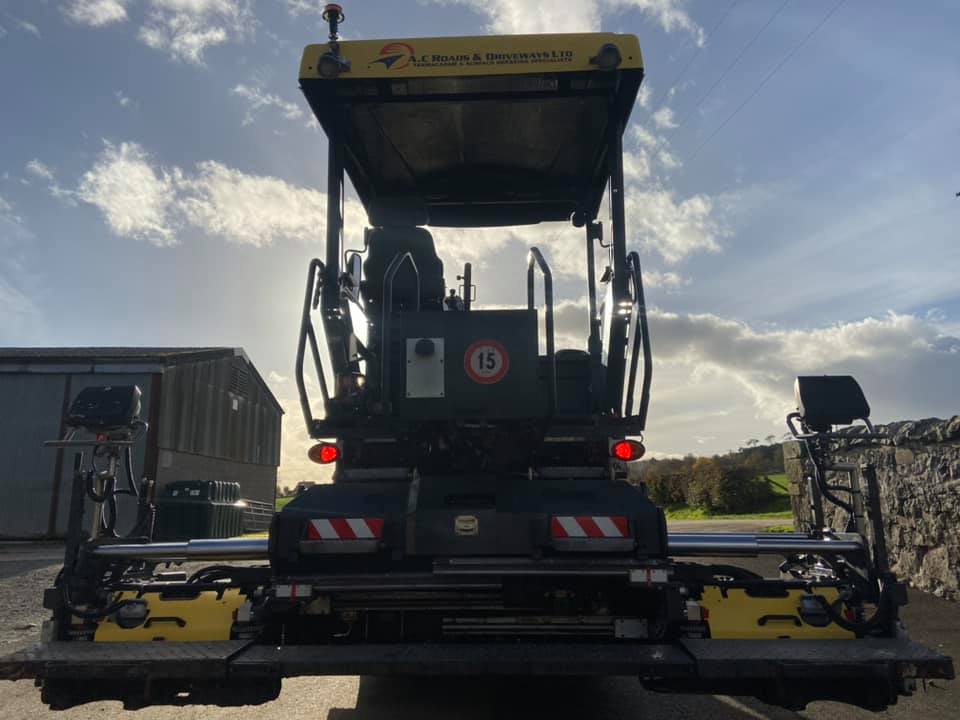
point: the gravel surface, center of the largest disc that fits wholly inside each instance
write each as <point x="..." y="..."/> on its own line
<point x="24" y="572"/>
<point x="27" y="569"/>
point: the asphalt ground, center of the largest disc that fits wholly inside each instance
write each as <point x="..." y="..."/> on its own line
<point x="26" y="568"/>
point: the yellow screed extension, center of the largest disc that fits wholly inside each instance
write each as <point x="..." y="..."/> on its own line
<point x="205" y="617"/>
<point x="735" y="615"/>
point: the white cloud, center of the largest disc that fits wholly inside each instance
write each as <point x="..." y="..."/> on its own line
<point x="513" y="17"/>
<point x="636" y="166"/>
<point x="533" y="16"/>
<point x="663" y="118"/>
<point x="27" y="27"/>
<point x="724" y="380"/>
<point x="257" y="99"/>
<point x="187" y="28"/>
<point x="250" y="209"/>
<point x="644" y="95"/>
<point x="134" y="196"/>
<point x="673" y="229"/>
<point x="903" y="361"/>
<point x="123" y="100"/>
<point x="665" y="280"/>
<point x="96" y="13"/>
<point x="142" y="200"/>
<point x="668" y="14"/>
<point x="39" y="170"/>
<point x="30" y="28"/>
<point x="653" y="147"/>
<point x="304" y="7"/>
<point x="6" y="209"/>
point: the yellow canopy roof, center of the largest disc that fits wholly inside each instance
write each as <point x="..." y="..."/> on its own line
<point x="476" y="130"/>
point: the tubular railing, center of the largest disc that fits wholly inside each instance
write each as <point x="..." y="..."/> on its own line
<point x="311" y="300"/>
<point x="640" y="338"/>
<point x="386" y="349"/>
<point x="257" y="516"/>
<point x="535" y="258"/>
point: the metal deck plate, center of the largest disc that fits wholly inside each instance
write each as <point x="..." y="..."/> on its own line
<point x="142" y="659"/>
<point x="822" y="658"/>
<point x="468" y="659"/>
<point x="704" y="659"/>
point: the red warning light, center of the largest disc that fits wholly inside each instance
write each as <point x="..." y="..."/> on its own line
<point x="324" y="453"/>
<point x="627" y="450"/>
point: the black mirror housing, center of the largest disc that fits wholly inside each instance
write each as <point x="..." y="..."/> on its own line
<point x="100" y="409"/>
<point x="825" y="400"/>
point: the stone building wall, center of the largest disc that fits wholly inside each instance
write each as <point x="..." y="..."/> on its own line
<point x="918" y="470"/>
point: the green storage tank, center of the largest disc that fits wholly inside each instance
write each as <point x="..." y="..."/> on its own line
<point x="192" y="509"/>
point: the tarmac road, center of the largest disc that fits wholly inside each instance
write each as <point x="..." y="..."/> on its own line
<point x="25" y="569"/>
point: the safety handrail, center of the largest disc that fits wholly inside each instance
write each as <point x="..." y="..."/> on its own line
<point x="535" y="258"/>
<point x="311" y="300"/>
<point x="386" y="354"/>
<point x="643" y="336"/>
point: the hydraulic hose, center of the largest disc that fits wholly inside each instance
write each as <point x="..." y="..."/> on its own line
<point x="860" y="628"/>
<point x="819" y="477"/>
<point x="89" y="614"/>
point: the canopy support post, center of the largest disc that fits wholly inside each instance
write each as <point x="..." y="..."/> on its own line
<point x="336" y="330"/>
<point x="593" y="230"/>
<point x="619" y="313"/>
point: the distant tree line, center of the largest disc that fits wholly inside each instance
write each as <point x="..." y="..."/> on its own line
<point x="736" y="482"/>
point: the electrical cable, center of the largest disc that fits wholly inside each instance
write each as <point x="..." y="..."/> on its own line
<point x="733" y="64"/>
<point x="767" y="78"/>
<point x="693" y="57"/>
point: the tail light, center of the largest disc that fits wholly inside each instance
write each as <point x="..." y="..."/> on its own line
<point x="324" y="453"/>
<point x="627" y="450"/>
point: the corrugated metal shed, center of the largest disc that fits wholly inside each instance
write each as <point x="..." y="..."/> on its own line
<point x="211" y="416"/>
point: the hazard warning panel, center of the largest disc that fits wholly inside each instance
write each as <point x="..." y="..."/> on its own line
<point x="486" y="362"/>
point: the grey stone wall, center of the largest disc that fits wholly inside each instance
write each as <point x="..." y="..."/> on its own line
<point x="918" y="469"/>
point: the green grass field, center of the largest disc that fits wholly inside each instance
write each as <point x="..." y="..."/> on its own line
<point x="779" y="484"/>
<point x="282" y="502"/>
<point x="777" y="509"/>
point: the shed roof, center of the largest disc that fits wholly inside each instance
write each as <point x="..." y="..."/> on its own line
<point x="28" y="356"/>
<point x="166" y="355"/>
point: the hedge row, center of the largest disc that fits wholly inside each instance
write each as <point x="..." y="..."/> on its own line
<point x="707" y="484"/>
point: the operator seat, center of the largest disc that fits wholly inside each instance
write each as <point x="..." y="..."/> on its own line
<point x="383" y="245"/>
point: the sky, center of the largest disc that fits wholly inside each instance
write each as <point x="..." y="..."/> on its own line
<point x="792" y="169"/>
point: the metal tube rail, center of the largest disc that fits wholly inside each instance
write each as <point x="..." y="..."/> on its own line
<point x="467" y="286"/>
<point x="315" y="277"/>
<point x="535" y="257"/>
<point x="386" y="352"/>
<point x="211" y="549"/>
<point x="642" y="336"/>
<point x="733" y="545"/>
<point x="678" y="544"/>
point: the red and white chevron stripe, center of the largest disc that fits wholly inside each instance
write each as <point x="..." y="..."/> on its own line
<point x="589" y="526"/>
<point x="345" y="529"/>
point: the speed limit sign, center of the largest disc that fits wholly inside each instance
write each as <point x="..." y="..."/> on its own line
<point x="486" y="362"/>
